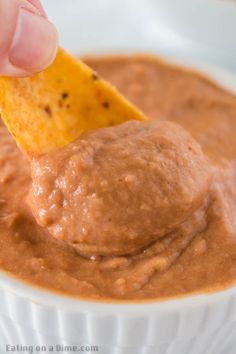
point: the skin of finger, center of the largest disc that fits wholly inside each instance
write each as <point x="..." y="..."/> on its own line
<point x="39" y="6"/>
<point x="29" y="53"/>
<point x="8" y="18"/>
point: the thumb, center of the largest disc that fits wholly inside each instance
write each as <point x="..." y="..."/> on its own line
<point x="28" y="41"/>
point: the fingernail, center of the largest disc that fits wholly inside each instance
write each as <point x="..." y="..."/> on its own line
<point x="35" y="42"/>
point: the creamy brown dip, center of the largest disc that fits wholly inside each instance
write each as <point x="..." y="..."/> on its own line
<point x="148" y="208"/>
<point x="115" y="191"/>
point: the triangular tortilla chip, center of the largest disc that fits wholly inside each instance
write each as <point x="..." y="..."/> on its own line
<point x="54" y="107"/>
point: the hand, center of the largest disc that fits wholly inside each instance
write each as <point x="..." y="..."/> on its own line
<point x="28" y="41"/>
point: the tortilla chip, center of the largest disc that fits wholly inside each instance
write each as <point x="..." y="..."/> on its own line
<point x="54" y="107"/>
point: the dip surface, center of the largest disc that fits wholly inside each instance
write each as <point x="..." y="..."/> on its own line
<point x="115" y="191"/>
<point x="190" y="249"/>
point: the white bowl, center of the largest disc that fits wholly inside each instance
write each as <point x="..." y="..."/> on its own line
<point x="199" y="324"/>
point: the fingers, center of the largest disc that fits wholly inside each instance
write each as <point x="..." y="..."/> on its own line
<point x="28" y="41"/>
<point x="39" y="6"/>
<point x="34" y="42"/>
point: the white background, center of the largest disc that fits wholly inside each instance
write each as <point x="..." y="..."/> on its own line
<point x="195" y="29"/>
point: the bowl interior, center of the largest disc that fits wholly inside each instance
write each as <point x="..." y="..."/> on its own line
<point x="7" y="282"/>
